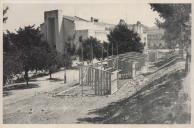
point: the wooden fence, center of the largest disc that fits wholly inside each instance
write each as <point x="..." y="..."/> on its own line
<point x="103" y="77"/>
<point x="99" y="80"/>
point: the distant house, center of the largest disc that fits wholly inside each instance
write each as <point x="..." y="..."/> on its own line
<point x="141" y="30"/>
<point x="151" y="37"/>
<point x="59" y="29"/>
<point x="155" y="38"/>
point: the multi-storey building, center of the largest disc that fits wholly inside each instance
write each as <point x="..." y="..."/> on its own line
<point x="141" y="30"/>
<point x="155" y="38"/>
<point x="59" y="29"/>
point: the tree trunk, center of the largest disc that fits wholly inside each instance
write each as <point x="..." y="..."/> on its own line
<point x="26" y="77"/>
<point x="50" y="74"/>
<point x="65" y="80"/>
<point x="187" y="63"/>
<point x="181" y="51"/>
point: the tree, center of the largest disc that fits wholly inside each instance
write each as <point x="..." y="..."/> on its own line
<point x="92" y="48"/>
<point x="70" y="51"/>
<point x="32" y="50"/>
<point x="53" y="61"/>
<point x="177" y="25"/>
<point x="11" y="65"/>
<point x="122" y="40"/>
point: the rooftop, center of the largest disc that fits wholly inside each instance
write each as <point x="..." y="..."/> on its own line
<point x="75" y="18"/>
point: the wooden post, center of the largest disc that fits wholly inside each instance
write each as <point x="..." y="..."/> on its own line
<point x="95" y="85"/>
<point x="104" y="87"/>
<point x="92" y="77"/>
<point x="100" y="82"/>
<point x="133" y="69"/>
<point x="106" y="82"/>
<point x="101" y="85"/>
<point x="82" y="82"/>
<point x="109" y="79"/>
<point x="79" y="75"/>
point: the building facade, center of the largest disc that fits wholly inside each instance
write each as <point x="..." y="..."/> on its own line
<point x="141" y="30"/>
<point x="59" y="29"/>
<point x="155" y="38"/>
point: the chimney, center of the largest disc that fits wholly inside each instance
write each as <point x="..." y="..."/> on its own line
<point x="92" y="19"/>
<point x="95" y="20"/>
<point x="138" y="22"/>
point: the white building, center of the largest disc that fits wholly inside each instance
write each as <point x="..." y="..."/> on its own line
<point x="155" y="40"/>
<point x="59" y="29"/>
<point x="141" y="30"/>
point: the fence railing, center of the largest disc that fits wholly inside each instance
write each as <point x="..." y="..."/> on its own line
<point x="97" y="79"/>
<point x="103" y="77"/>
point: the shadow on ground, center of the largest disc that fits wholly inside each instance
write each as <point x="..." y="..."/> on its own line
<point x="54" y="79"/>
<point x="157" y="103"/>
<point x="6" y="93"/>
<point x="21" y="87"/>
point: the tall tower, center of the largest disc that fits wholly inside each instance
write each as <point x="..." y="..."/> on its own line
<point x="54" y="29"/>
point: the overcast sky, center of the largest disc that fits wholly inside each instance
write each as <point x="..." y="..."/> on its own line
<point x="20" y="15"/>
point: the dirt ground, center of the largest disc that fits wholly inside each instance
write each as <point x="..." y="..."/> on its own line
<point x="159" y="102"/>
<point x="165" y="101"/>
<point x="40" y="105"/>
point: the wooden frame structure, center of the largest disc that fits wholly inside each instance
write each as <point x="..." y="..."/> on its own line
<point x="103" y="78"/>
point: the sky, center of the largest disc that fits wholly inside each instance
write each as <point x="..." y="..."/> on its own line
<point x="23" y="14"/>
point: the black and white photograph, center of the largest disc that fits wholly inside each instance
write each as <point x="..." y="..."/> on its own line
<point x="96" y="62"/>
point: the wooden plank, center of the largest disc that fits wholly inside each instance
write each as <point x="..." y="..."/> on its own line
<point x="100" y="82"/>
<point x="109" y="79"/>
<point x="95" y="82"/>
<point x="106" y="82"/>
<point x="98" y="72"/>
<point x="92" y="77"/>
<point x="81" y="75"/>
<point x="89" y="76"/>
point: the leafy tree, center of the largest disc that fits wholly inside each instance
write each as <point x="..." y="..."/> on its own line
<point x="123" y="39"/>
<point x="11" y="67"/>
<point x="32" y="50"/>
<point x="105" y="49"/>
<point x="70" y="51"/>
<point x="92" y="48"/>
<point x="177" y="25"/>
<point x="53" y="61"/>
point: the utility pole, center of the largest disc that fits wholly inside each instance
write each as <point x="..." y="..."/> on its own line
<point x="81" y="41"/>
<point x="92" y="53"/>
<point x="107" y="50"/>
<point x="65" y="58"/>
<point x="117" y="57"/>
<point x="102" y="56"/>
<point x="112" y="49"/>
